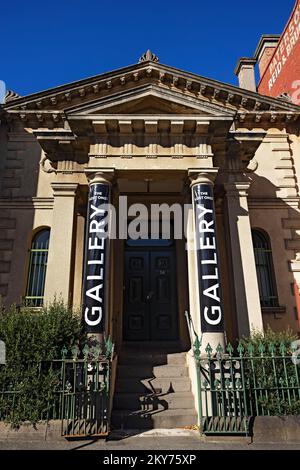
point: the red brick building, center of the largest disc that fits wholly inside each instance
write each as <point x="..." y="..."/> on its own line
<point x="278" y="60"/>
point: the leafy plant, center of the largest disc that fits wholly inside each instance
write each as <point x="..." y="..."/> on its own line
<point x="34" y="341"/>
<point x="268" y="338"/>
<point x="273" y="379"/>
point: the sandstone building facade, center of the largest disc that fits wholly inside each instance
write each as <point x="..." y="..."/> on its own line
<point x="155" y="134"/>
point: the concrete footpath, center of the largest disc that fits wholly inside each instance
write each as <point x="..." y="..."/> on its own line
<point x="151" y="440"/>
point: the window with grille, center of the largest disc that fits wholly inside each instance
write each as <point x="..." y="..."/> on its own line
<point x="37" y="269"/>
<point x="264" y="269"/>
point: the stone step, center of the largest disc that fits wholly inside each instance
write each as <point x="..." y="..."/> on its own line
<point x="166" y="419"/>
<point x="157" y="385"/>
<point x="151" y="358"/>
<point x="162" y="346"/>
<point x="149" y="371"/>
<point x="137" y="401"/>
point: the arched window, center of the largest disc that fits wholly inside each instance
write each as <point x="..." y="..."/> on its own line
<point x="264" y="269"/>
<point x="37" y="268"/>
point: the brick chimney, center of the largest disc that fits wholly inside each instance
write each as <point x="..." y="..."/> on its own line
<point x="246" y="74"/>
<point x="264" y="51"/>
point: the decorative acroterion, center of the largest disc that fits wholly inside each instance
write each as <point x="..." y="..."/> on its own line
<point x="148" y="56"/>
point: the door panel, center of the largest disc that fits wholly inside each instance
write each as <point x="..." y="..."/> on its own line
<point x="163" y="320"/>
<point x="136" y="317"/>
<point x="150" y="306"/>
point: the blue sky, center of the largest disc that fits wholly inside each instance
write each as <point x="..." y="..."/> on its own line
<point x="49" y="43"/>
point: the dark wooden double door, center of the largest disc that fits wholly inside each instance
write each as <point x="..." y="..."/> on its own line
<point x="150" y="296"/>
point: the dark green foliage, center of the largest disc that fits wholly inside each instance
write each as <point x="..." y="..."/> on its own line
<point x="273" y="378"/>
<point x="38" y="335"/>
<point x="269" y="338"/>
<point x="34" y="341"/>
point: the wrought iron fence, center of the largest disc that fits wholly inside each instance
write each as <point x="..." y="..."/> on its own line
<point x="237" y="384"/>
<point x="74" y="389"/>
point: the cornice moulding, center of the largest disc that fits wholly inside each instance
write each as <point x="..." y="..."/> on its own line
<point x="186" y="82"/>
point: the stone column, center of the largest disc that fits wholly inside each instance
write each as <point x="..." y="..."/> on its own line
<point x="95" y="298"/>
<point x="80" y="214"/>
<point x="207" y="259"/>
<point x="243" y="262"/>
<point x="59" y="266"/>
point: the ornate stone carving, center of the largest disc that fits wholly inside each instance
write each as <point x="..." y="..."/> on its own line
<point x="285" y="97"/>
<point x="216" y="94"/>
<point x="257" y="105"/>
<point x="148" y="56"/>
<point x="46" y="165"/>
<point x="11" y="95"/>
<point x="203" y="150"/>
<point x="258" y="118"/>
<point x="252" y="167"/>
<point x="127" y="150"/>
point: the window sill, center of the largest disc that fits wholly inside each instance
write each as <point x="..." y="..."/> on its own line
<point x="28" y="307"/>
<point x="274" y="310"/>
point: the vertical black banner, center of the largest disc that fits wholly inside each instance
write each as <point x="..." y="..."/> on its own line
<point x="207" y="259"/>
<point x="95" y="259"/>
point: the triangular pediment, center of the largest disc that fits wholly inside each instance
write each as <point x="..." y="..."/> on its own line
<point x="150" y="88"/>
<point x="143" y="104"/>
<point x="150" y="100"/>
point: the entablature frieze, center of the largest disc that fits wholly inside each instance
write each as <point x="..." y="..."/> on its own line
<point x="151" y="138"/>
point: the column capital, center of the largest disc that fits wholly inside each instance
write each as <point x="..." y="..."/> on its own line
<point x="64" y="189"/>
<point x="202" y="175"/>
<point x="237" y="189"/>
<point x="100" y="175"/>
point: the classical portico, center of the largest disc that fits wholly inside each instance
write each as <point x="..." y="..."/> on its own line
<point x="148" y="158"/>
<point x="149" y="131"/>
<point x="150" y="145"/>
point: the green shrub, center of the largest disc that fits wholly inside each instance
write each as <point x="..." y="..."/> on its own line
<point x="33" y="340"/>
<point x="269" y="338"/>
<point x="272" y="377"/>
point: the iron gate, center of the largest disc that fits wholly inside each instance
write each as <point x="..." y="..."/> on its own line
<point x="237" y="384"/>
<point x="86" y="394"/>
<point x="85" y="398"/>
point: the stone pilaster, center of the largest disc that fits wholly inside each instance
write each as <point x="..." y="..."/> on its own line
<point x="59" y="268"/>
<point x="243" y="261"/>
